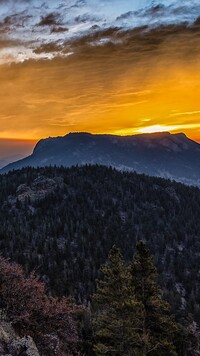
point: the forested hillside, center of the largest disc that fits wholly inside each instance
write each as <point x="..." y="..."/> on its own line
<point x="62" y="222"/>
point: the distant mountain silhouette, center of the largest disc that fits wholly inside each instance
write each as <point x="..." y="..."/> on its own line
<point x="167" y="155"/>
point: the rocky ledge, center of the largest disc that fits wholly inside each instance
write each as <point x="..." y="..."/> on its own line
<point x="13" y="345"/>
<point x="38" y="190"/>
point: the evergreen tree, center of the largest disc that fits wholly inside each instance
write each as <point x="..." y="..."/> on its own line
<point x="116" y="320"/>
<point x="158" y="327"/>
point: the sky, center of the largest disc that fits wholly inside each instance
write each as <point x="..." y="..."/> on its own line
<point x="101" y="66"/>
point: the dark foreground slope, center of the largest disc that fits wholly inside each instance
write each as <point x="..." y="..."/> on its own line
<point x="161" y="154"/>
<point x="62" y="223"/>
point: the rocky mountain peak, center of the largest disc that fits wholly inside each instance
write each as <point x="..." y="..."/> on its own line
<point x="162" y="154"/>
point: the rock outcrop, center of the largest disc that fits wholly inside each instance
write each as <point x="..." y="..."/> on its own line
<point x="38" y="190"/>
<point x="13" y="345"/>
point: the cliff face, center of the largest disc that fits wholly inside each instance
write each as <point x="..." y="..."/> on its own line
<point x="12" y="345"/>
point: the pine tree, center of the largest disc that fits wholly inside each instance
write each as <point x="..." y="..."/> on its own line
<point x="159" y="329"/>
<point x="116" y="320"/>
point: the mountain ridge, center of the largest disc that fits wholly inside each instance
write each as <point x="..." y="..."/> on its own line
<point x="163" y="154"/>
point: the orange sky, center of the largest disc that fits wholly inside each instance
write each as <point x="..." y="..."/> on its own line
<point x="40" y="100"/>
<point x="12" y="150"/>
<point x="142" y="81"/>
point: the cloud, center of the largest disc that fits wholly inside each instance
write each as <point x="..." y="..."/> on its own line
<point x="86" y="18"/>
<point x="52" y="19"/>
<point x="156" y="10"/>
<point x="36" y="23"/>
<point x="49" y="48"/>
<point x="13" y="21"/>
<point x="126" y="15"/>
<point x="59" y="29"/>
<point x="165" y="12"/>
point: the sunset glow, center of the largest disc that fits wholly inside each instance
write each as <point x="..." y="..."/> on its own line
<point x="156" y="128"/>
<point x="99" y="73"/>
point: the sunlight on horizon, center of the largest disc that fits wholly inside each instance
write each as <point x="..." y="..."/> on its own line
<point x="156" y="128"/>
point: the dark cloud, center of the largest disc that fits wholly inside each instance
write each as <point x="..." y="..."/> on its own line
<point x="138" y="43"/>
<point x="81" y="29"/>
<point x="156" y="10"/>
<point x="181" y="40"/>
<point x="13" y="21"/>
<point x="52" y="19"/>
<point x="197" y="22"/>
<point x="86" y="18"/>
<point x="95" y="27"/>
<point x="77" y="4"/>
<point x="176" y="12"/>
<point x="125" y="16"/>
<point x="59" y="29"/>
<point x="49" y="48"/>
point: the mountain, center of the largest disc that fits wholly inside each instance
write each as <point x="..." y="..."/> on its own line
<point x="167" y="155"/>
<point x="62" y="222"/>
